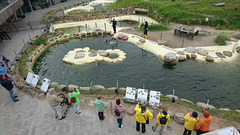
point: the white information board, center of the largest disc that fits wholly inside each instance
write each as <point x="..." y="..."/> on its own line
<point x="130" y="94"/>
<point x="45" y="85"/>
<point x="29" y="78"/>
<point x="154" y="98"/>
<point x="142" y="95"/>
<point x="34" y="80"/>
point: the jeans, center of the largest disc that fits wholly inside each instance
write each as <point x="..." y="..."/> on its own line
<point x="143" y="127"/>
<point x="100" y="115"/>
<point x="76" y="108"/>
<point x="11" y="95"/>
<point x="119" y="121"/>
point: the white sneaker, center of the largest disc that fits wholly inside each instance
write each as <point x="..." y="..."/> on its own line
<point x="79" y="112"/>
<point x="122" y="126"/>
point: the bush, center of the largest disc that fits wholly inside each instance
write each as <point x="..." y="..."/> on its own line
<point x="155" y="27"/>
<point x="40" y="40"/>
<point x="221" y="39"/>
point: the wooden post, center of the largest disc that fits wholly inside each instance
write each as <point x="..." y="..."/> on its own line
<point x="182" y="43"/>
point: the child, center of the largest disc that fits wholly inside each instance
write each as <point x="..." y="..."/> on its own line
<point x="100" y="107"/>
<point x="162" y="120"/>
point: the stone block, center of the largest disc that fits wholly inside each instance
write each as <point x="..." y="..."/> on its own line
<point x="171" y="96"/>
<point x="41" y="96"/>
<point x="131" y="110"/>
<point x="179" y="118"/>
<point x="204" y="105"/>
<point x="98" y="87"/>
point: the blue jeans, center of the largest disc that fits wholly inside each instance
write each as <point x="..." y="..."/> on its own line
<point x="11" y="94"/>
<point x="119" y="121"/>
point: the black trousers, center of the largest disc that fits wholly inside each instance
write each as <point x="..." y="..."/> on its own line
<point x="5" y="35"/>
<point x="145" y="32"/>
<point x="143" y="127"/>
<point x="187" y="132"/>
<point x="199" y="132"/>
<point x="114" y="29"/>
<point x="100" y="115"/>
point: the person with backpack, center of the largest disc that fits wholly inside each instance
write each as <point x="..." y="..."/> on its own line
<point x="162" y="120"/>
<point x="191" y="119"/>
<point x="142" y="116"/>
<point x="204" y="123"/>
<point x="73" y="95"/>
<point x="100" y="107"/>
<point x="119" y="112"/>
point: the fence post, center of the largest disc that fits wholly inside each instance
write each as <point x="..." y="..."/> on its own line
<point x="105" y="26"/>
<point x="29" y="36"/>
<point x="23" y="41"/>
<point x="182" y="43"/>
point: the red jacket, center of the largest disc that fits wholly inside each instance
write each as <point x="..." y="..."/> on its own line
<point x="204" y="124"/>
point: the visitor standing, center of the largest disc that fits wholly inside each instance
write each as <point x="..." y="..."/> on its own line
<point x="204" y="123"/>
<point x="119" y="112"/>
<point x="7" y="84"/>
<point x="191" y="119"/>
<point x="162" y="120"/>
<point x="54" y="103"/>
<point x="142" y="116"/>
<point x="6" y="61"/>
<point x="114" y="24"/>
<point x="3" y="71"/>
<point x="73" y="95"/>
<point x="145" y="30"/>
<point x="100" y="107"/>
<point x="3" y="33"/>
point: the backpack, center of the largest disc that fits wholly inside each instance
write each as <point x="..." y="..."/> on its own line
<point x="117" y="113"/>
<point x="73" y="100"/>
<point x="163" y="120"/>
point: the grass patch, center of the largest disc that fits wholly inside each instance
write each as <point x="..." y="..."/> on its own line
<point x="226" y="17"/>
<point x="155" y="27"/>
<point x="221" y="39"/>
<point x="106" y="91"/>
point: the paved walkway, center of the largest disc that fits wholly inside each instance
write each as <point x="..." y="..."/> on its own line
<point x="34" y="117"/>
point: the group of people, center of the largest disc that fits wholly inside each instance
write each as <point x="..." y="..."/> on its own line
<point x="142" y="114"/>
<point x="3" y="34"/>
<point x="5" y="80"/>
<point x="114" y="24"/>
<point x="192" y="120"/>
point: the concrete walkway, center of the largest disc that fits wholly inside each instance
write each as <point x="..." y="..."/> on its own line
<point x="34" y="117"/>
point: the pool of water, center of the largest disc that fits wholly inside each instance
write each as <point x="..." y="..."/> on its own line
<point x="127" y="23"/>
<point x="193" y="80"/>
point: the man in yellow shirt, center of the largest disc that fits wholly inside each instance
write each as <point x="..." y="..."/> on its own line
<point x="142" y="114"/>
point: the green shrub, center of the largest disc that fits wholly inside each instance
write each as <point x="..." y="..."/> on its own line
<point x="40" y="40"/>
<point x="221" y="39"/>
<point x="155" y="27"/>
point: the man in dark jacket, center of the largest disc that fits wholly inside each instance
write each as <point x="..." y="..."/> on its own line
<point x="7" y="84"/>
<point x="114" y="23"/>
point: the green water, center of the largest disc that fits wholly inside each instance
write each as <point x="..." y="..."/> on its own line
<point x="192" y="80"/>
